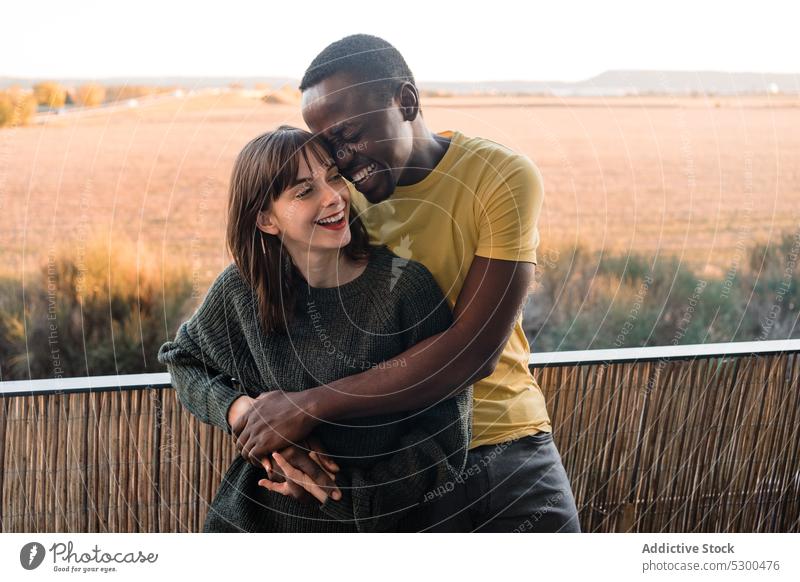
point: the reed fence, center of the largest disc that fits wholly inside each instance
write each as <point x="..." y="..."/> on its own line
<point x="677" y="439"/>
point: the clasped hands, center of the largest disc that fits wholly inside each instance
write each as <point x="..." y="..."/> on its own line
<point x="273" y="431"/>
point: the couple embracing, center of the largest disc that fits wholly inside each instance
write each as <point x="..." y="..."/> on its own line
<point x="365" y="347"/>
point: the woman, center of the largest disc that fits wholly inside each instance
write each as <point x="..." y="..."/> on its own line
<point x="306" y="302"/>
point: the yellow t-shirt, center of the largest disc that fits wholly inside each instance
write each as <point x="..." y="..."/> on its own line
<point x="481" y="199"/>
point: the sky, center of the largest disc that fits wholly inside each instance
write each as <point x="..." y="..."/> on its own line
<point x="557" y="40"/>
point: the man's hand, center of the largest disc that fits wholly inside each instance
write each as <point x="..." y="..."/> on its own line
<point x="239" y="407"/>
<point x="275" y="421"/>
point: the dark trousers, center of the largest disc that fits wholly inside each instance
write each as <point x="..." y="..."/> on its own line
<point x="517" y="486"/>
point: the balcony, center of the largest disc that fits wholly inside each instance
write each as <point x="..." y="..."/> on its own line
<point x="700" y="438"/>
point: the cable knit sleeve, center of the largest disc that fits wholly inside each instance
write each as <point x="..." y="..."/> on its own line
<point x="200" y="359"/>
<point x="433" y="448"/>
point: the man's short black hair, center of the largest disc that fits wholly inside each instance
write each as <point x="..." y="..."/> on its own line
<point x="367" y="58"/>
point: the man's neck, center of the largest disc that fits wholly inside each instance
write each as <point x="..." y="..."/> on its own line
<point x="429" y="149"/>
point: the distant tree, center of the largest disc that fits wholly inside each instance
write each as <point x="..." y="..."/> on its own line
<point x="286" y="95"/>
<point x="124" y="92"/>
<point x="90" y="95"/>
<point x="50" y="93"/>
<point x="6" y="109"/>
<point x="16" y="107"/>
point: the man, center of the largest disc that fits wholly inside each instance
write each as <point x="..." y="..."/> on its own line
<point x="467" y="208"/>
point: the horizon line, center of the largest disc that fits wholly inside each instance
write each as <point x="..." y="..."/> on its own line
<point x="419" y="81"/>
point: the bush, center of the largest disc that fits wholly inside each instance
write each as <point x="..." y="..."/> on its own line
<point x="90" y="95"/>
<point x="12" y="327"/>
<point x="286" y="95"/>
<point x="772" y="286"/>
<point x="16" y="107"/>
<point x="588" y="300"/>
<point x="110" y="310"/>
<point x="105" y="313"/>
<point x="50" y="94"/>
<point x="125" y="92"/>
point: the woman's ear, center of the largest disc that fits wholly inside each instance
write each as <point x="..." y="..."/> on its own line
<point x="265" y="223"/>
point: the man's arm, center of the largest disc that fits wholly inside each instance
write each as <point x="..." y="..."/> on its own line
<point x="490" y="301"/>
<point x="507" y="208"/>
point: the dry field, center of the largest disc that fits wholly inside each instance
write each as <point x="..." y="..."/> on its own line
<point x="690" y="177"/>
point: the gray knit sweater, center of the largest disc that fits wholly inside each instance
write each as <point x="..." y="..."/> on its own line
<point x="388" y="463"/>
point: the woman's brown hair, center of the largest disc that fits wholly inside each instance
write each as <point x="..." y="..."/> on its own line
<point x="266" y="167"/>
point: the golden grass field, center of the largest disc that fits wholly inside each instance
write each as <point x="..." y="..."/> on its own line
<point x="689" y="177"/>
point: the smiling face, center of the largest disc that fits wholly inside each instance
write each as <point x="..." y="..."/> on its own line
<point x="370" y="140"/>
<point x="312" y="213"/>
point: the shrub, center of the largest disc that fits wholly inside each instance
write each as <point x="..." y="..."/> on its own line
<point x="16" y="107"/>
<point x="90" y="95"/>
<point x="125" y="92"/>
<point x="772" y="290"/>
<point x="286" y="95"/>
<point x="107" y="312"/>
<point x="12" y="334"/>
<point x="50" y="94"/>
<point x="588" y="300"/>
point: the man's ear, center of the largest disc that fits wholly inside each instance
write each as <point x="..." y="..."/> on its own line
<point x="408" y="101"/>
<point x="265" y="223"/>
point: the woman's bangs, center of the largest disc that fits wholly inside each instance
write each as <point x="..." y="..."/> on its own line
<point x="314" y="150"/>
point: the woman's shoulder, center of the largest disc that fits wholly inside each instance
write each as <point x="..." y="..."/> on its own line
<point x="227" y="291"/>
<point x="229" y="281"/>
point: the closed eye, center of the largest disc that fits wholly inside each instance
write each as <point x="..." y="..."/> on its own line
<point x="351" y="133"/>
<point x="304" y="191"/>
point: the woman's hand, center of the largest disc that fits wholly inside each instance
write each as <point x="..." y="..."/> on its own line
<point x="312" y="460"/>
<point x="275" y="421"/>
<point x="296" y="482"/>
